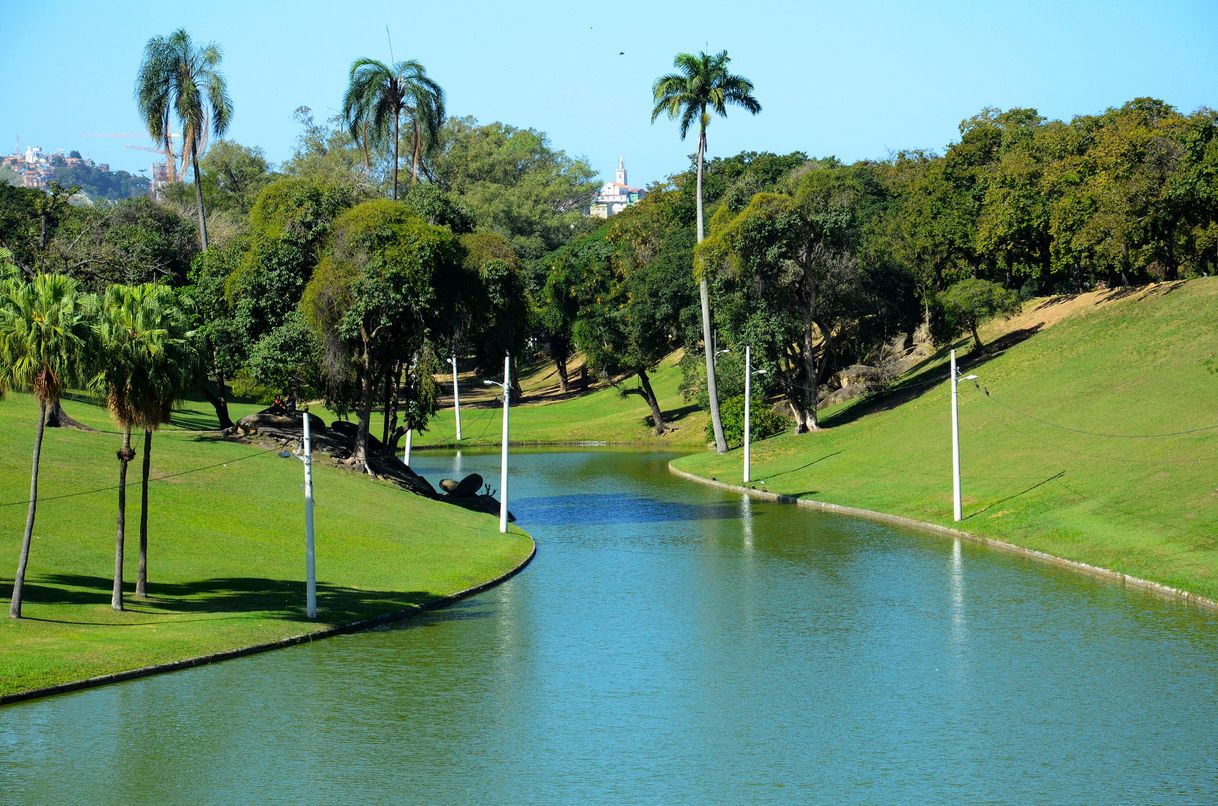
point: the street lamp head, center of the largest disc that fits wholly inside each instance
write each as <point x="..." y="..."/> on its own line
<point x="970" y="377"/>
<point x="724" y="350"/>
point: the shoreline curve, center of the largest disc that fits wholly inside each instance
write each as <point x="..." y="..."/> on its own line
<point x="292" y="640"/>
<point x="947" y="531"/>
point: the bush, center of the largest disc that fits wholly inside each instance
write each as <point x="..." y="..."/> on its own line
<point x="763" y="421"/>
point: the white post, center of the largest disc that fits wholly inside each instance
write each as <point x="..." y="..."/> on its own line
<point x="955" y="445"/>
<point x="409" y="445"/>
<point x="456" y="398"/>
<point x="748" y="376"/>
<point x="310" y="567"/>
<point x="503" y="461"/>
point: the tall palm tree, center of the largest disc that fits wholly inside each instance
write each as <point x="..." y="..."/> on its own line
<point x="177" y="78"/>
<point x="700" y="86"/>
<point x="134" y="340"/>
<point x="46" y="343"/>
<point x="377" y="96"/>
<point x="168" y="377"/>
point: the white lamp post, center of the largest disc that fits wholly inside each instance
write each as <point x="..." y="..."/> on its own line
<point x="748" y="378"/>
<point x="306" y="456"/>
<point x="503" y="460"/>
<point x="456" y="397"/>
<point x="956" y="440"/>
<point x="409" y="445"/>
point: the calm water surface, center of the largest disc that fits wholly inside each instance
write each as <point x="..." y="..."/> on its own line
<point x="673" y="643"/>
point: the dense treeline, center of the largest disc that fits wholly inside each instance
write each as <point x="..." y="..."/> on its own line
<point x="819" y="265"/>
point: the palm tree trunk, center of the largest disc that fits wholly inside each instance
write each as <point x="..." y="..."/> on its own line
<point x="395" y="155"/>
<point x="124" y="456"/>
<point x="141" y="581"/>
<point x="708" y="347"/>
<point x="14" y="609"/>
<point x="418" y="147"/>
<point x="194" y="161"/>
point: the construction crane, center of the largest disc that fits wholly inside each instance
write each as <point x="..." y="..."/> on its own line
<point x="167" y="153"/>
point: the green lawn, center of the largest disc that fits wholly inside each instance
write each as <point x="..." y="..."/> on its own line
<point x="226" y="548"/>
<point x="603" y="416"/>
<point x="1145" y="364"/>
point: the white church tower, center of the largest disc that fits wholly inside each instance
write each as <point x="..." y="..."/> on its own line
<point x="615" y="196"/>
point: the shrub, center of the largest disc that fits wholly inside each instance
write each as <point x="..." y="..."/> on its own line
<point x="763" y="421"/>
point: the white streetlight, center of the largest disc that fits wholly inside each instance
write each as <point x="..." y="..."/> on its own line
<point x="956" y="439"/>
<point x="503" y="460"/>
<point x="306" y="456"/>
<point x="748" y="377"/>
<point x="456" y="397"/>
<point x="409" y="445"/>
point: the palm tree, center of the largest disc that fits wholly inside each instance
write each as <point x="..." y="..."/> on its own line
<point x="377" y="96"/>
<point x="173" y="79"/>
<point x="167" y="378"/>
<point x="45" y="344"/>
<point x="135" y="340"/>
<point x="701" y="85"/>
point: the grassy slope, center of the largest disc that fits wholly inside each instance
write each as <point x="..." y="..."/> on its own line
<point x="1148" y="507"/>
<point x="226" y="549"/>
<point x="602" y="415"/>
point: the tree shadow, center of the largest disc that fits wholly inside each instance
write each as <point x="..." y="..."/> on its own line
<point x="992" y="504"/>
<point x="219" y="596"/>
<point x="773" y="476"/>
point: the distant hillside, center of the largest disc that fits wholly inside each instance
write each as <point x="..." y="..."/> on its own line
<point x="112" y="185"/>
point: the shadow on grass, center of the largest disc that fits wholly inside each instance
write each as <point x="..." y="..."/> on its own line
<point x="992" y="504"/>
<point x="924" y="376"/>
<point x="773" y="476"/>
<point x="223" y="596"/>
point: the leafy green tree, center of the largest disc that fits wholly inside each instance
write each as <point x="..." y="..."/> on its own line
<point x="134" y="241"/>
<point x="233" y="175"/>
<point x="516" y="183"/>
<point x="379" y="94"/>
<point x="636" y="302"/>
<point x="372" y="298"/>
<point x="327" y="152"/>
<point x="969" y="303"/>
<point x="46" y="345"/>
<point x="178" y="79"/>
<point x="500" y="321"/>
<point x="702" y="85"/>
<point x="288" y="359"/>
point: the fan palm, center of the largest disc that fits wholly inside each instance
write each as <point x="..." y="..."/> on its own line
<point x="139" y="336"/>
<point x="177" y="78"/>
<point x="167" y="378"/>
<point x="377" y="96"/>
<point x="700" y="86"/>
<point x="46" y="343"/>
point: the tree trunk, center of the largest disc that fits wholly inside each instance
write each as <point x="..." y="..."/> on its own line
<point x="124" y="457"/>
<point x="14" y="609"/>
<point x="141" y="580"/>
<point x="218" y="401"/>
<point x="649" y="395"/>
<point x="394" y="404"/>
<point x="561" y="363"/>
<point x="395" y="154"/>
<point x="811" y="373"/>
<point x="708" y="348"/>
<point x="976" y="339"/>
<point x="800" y="413"/>
<point x="385" y="409"/>
<point x="418" y="149"/>
<point x="194" y="161"/>
<point x="367" y="393"/>
<point x="58" y="418"/>
<point x="517" y="389"/>
<point x="583" y="375"/>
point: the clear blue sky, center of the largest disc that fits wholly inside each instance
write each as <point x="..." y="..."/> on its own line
<point x="855" y="80"/>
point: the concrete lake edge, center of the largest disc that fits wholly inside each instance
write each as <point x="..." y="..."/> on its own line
<point x="947" y="531"/>
<point x="292" y="640"/>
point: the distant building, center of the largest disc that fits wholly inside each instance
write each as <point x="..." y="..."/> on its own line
<point x="615" y="196"/>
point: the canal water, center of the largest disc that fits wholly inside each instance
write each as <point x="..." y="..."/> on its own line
<point x="677" y="644"/>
